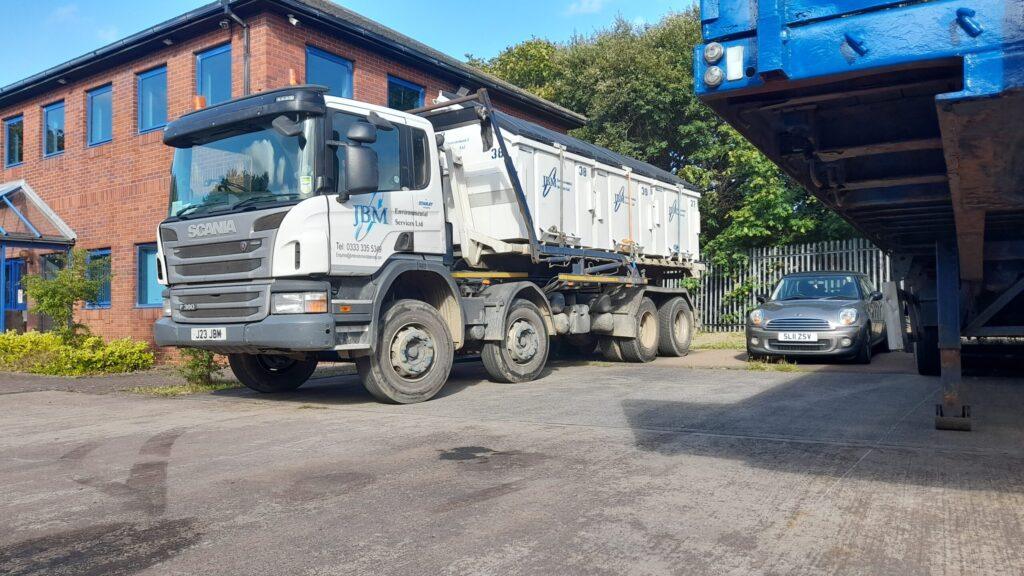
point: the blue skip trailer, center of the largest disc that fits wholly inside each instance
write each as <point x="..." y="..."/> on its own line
<point x="906" y="118"/>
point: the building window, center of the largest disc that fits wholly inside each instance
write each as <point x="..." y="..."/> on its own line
<point x="99" y="108"/>
<point x="213" y="74"/>
<point x="148" y="289"/>
<point x="52" y="264"/>
<point x="404" y="95"/>
<point x="99" y="269"/>
<point x="53" y="129"/>
<point x="153" y="99"/>
<point x="14" y="141"/>
<point x="329" y="70"/>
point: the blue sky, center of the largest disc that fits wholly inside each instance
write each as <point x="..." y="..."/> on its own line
<point x="49" y="32"/>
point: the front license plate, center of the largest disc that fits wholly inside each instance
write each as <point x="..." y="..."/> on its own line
<point x="209" y="334"/>
<point x="798" y="336"/>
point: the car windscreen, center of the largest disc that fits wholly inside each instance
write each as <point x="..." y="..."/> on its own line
<point x="825" y="287"/>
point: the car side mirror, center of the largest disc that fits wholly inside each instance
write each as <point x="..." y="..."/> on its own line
<point x="761" y="298"/>
<point x="876" y="296"/>
<point x="362" y="172"/>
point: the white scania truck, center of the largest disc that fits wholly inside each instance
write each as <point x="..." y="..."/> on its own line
<point x="304" y="227"/>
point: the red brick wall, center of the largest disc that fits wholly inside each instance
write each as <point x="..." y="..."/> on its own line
<point x="114" y="195"/>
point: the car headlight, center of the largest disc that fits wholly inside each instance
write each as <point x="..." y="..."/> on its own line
<point x="847" y="316"/>
<point x="757" y="317"/>
<point x="299" y="303"/>
<point x="167" y="306"/>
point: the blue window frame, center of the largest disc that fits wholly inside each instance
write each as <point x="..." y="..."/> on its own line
<point x="99" y="108"/>
<point x="99" y="268"/>
<point x="404" y="95"/>
<point x="329" y="70"/>
<point x="53" y="129"/>
<point x="148" y="289"/>
<point x="152" y="92"/>
<point x="213" y="74"/>
<point x="14" y="141"/>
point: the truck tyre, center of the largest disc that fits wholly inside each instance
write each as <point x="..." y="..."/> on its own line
<point x="522" y="353"/>
<point x="413" y="356"/>
<point x="675" y="324"/>
<point x="269" y="373"/>
<point x="585" y="344"/>
<point x="926" y="352"/>
<point x="609" y="348"/>
<point x="644" y="346"/>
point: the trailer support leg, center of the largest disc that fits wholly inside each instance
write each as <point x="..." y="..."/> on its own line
<point x="953" y="413"/>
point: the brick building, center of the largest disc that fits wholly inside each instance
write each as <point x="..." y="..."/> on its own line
<point x="86" y="135"/>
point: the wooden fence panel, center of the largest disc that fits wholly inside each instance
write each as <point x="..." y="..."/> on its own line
<point x="720" y="308"/>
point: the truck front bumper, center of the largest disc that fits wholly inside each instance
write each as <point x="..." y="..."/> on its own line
<point x="275" y="333"/>
<point x="844" y="341"/>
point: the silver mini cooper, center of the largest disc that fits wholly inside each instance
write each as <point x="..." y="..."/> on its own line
<point x="818" y="314"/>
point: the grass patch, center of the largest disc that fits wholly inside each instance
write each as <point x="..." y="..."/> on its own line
<point x="780" y="366"/>
<point x="719" y="341"/>
<point x="175" y="390"/>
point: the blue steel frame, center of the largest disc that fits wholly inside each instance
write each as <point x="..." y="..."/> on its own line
<point x="46" y="126"/>
<point x="97" y="253"/>
<point x="139" y="78"/>
<point x="90" y="98"/>
<point x="806" y="39"/>
<point x="8" y="122"/>
<point x="139" y="267"/>
<point x="201" y="57"/>
<point x="345" y="62"/>
<point x="409" y="85"/>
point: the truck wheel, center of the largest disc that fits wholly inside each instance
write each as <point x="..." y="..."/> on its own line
<point x="413" y="356"/>
<point x="926" y="352"/>
<point x="644" y="346"/>
<point x="269" y="373"/>
<point x="609" y="349"/>
<point x="675" y="323"/>
<point x="521" y="355"/>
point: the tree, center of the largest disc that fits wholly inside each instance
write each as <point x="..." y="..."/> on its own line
<point x="76" y="280"/>
<point x="635" y="84"/>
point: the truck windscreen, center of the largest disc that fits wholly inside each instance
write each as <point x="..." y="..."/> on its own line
<point x="252" y="167"/>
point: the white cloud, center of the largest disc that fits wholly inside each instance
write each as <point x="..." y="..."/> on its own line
<point x="64" y="13"/>
<point x="585" y="6"/>
<point x="107" y="33"/>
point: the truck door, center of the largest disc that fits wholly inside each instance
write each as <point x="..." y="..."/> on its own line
<point x="404" y="215"/>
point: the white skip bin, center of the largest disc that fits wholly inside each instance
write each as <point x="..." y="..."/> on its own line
<point x="578" y="194"/>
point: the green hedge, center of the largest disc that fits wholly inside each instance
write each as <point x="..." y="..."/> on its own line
<point x="46" y="353"/>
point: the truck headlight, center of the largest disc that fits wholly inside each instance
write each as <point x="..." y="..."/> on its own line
<point x="847" y="316"/>
<point x="299" y="303"/>
<point x="757" y="317"/>
<point x="167" y="306"/>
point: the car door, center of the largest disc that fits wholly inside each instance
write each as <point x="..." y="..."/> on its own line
<point x="874" y="308"/>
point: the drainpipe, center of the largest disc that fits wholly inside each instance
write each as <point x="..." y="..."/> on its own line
<point x="245" y="39"/>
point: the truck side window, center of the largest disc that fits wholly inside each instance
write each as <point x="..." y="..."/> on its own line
<point x="420" y="159"/>
<point x="388" y="150"/>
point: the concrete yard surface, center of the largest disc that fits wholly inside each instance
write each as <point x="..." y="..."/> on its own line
<point x="595" y="469"/>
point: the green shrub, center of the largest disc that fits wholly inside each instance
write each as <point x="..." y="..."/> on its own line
<point x="77" y="280"/>
<point x="198" y="366"/>
<point x="49" y="353"/>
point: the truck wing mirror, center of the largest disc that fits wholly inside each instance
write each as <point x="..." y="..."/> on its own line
<point x="361" y="169"/>
<point x="380" y="122"/>
<point x="362" y="132"/>
<point x="286" y="127"/>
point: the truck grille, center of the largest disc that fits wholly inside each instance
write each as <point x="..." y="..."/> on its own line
<point x="218" y="268"/>
<point x="243" y="254"/>
<point x="227" y="304"/>
<point x="798" y="324"/>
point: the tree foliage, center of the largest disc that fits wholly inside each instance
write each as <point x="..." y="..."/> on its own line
<point x="635" y="84"/>
<point x="76" y="280"/>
